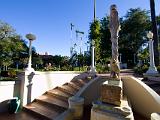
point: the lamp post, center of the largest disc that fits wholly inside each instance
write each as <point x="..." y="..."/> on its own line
<point x="93" y="68"/>
<point x="152" y="68"/>
<point x="31" y="38"/>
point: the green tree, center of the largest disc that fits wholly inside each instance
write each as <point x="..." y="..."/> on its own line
<point x="37" y="61"/>
<point x="11" y="44"/>
<point x="57" y="60"/>
<point x="105" y="42"/>
<point x="133" y="33"/>
<point x="144" y="54"/>
<point x="64" y="63"/>
<point x="94" y="34"/>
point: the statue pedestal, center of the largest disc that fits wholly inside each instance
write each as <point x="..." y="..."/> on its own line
<point x="111" y="92"/>
<point x="103" y="111"/>
<point x="152" y="70"/>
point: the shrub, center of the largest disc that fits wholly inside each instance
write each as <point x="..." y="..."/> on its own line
<point x="10" y="73"/>
<point x="102" y="68"/>
<point x="4" y="73"/>
<point x="145" y="68"/>
<point x="141" y="70"/>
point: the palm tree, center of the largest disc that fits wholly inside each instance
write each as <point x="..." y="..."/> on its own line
<point x="155" y="32"/>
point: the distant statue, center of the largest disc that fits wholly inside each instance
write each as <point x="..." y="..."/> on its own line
<point x="114" y="27"/>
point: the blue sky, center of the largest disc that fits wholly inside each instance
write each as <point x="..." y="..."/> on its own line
<point x="50" y="20"/>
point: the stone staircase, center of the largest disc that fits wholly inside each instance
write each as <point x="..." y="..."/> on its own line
<point x="155" y="85"/>
<point x="51" y="104"/>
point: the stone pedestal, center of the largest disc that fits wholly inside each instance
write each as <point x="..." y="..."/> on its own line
<point x="103" y="111"/>
<point x="76" y="104"/>
<point x="111" y="92"/>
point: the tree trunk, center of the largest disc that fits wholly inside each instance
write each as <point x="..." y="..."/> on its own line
<point x="155" y="32"/>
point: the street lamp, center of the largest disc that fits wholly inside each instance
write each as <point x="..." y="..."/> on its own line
<point x="93" y="69"/>
<point x="31" y="38"/>
<point x="152" y="68"/>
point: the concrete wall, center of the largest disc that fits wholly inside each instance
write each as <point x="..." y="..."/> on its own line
<point x="8" y="90"/>
<point x="37" y="83"/>
<point x="31" y="85"/>
<point x="143" y="99"/>
<point x="91" y="91"/>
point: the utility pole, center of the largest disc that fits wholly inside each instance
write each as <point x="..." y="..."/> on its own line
<point x="71" y="48"/>
<point x="94" y="10"/>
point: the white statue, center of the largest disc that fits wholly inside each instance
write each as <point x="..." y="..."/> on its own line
<point x="114" y="27"/>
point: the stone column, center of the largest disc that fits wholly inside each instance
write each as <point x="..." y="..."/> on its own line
<point x="26" y="79"/>
<point x="93" y="69"/>
<point x="152" y="68"/>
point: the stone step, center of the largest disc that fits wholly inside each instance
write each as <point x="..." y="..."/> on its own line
<point x="87" y="79"/>
<point x="150" y="83"/>
<point x="23" y="115"/>
<point x="84" y="81"/>
<point x="73" y="85"/>
<point x="156" y="88"/>
<point x="127" y="71"/>
<point x="79" y="82"/>
<point x="52" y="101"/>
<point x="67" y="89"/>
<point x="46" y="112"/>
<point x="154" y="85"/>
<point x="59" y="94"/>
